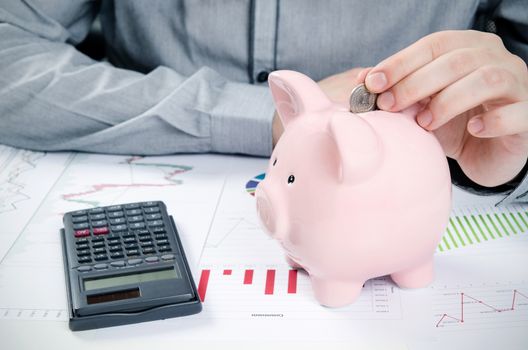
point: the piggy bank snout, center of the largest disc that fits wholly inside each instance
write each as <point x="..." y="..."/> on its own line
<point x="265" y="212"/>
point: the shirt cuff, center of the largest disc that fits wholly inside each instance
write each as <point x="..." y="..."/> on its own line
<point x="520" y="193"/>
<point x="242" y="121"/>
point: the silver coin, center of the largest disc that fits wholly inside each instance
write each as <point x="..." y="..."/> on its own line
<point x="362" y="100"/>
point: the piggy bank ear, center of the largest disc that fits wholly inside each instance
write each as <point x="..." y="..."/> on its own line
<point x="294" y="94"/>
<point x="359" y="151"/>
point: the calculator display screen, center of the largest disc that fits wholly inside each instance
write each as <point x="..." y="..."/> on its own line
<point x="134" y="278"/>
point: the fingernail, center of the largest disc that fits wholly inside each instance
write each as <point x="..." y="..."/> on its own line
<point x="424" y="118"/>
<point x="475" y="125"/>
<point x="386" y="100"/>
<point x="376" y="81"/>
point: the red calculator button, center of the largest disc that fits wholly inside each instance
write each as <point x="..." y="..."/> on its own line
<point x="100" y="230"/>
<point x="82" y="233"/>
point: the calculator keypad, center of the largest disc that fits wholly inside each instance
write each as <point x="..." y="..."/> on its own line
<point x="120" y="235"/>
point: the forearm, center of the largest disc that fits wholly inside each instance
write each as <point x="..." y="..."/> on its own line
<point x="55" y="98"/>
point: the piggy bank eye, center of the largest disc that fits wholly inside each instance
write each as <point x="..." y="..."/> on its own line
<point x="291" y="179"/>
<point x="275" y="162"/>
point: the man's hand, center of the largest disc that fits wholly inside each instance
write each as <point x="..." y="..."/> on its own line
<point x="337" y="87"/>
<point x="475" y="94"/>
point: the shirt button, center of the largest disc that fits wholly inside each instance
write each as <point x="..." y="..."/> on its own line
<point x="262" y="76"/>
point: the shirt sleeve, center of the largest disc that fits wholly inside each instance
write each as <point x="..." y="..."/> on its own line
<point x="52" y="97"/>
<point x="510" y="18"/>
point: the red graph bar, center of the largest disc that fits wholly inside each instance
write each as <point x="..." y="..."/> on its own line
<point x="248" y="277"/>
<point x="228" y="272"/>
<point x="202" y="285"/>
<point x="292" y="282"/>
<point x="270" y="282"/>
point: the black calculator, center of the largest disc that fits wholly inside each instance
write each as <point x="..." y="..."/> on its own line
<point x="125" y="264"/>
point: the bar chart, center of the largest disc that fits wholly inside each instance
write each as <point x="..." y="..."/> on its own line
<point x="473" y="225"/>
<point x="257" y="291"/>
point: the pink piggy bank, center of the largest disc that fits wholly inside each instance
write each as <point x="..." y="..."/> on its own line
<point x="352" y="196"/>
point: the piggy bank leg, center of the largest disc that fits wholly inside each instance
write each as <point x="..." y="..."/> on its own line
<point x="333" y="293"/>
<point x="292" y="263"/>
<point x="417" y="277"/>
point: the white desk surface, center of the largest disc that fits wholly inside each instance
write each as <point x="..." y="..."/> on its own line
<point x="484" y="255"/>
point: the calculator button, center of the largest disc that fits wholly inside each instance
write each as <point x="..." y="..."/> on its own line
<point x="98" y="244"/>
<point x="79" y="219"/>
<point x="83" y="246"/>
<point x="99" y="223"/>
<point x="162" y="241"/>
<point x="115" y="248"/>
<point x="99" y="250"/>
<point x="96" y="211"/>
<point x="145" y="238"/>
<point x="84" y="268"/>
<point x="113" y="240"/>
<point x="100" y="230"/>
<point x="132" y="252"/>
<point x="164" y="248"/>
<point x="84" y="259"/>
<point x="81" y="226"/>
<point x="117" y="228"/>
<point x="117" y="263"/>
<point x="114" y="208"/>
<point x="153" y="216"/>
<point x="167" y="257"/>
<point x="131" y="246"/>
<point x="158" y="230"/>
<point x="161" y="236"/>
<point x="134" y="212"/>
<point x="82" y="233"/>
<point x="117" y="255"/>
<point x="146" y="244"/>
<point x="100" y="257"/>
<point x="79" y="213"/>
<point x="151" y="210"/>
<point x="97" y="239"/>
<point x="83" y="252"/>
<point x="115" y="214"/>
<point x="137" y="225"/>
<point x="148" y="250"/>
<point x="132" y="206"/>
<point x="97" y="216"/>
<point x="100" y="266"/>
<point x="135" y="218"/>
<point x="129" y="240"/>
<point x="155" y="223"/>
<point x="150" y="204"/>
<point x="143" y="232"/>
<point x="152" y="259"/>
<point x="117" y="221"/>
<point x="134" y="261"/>
<point x="81" y="241"/>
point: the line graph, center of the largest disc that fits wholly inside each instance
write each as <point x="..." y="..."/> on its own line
<point x="14" y="163"/>
<point x="169" y="175"/>
<point x="481" y="306"/>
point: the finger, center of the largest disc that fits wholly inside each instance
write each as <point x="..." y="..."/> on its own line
<point x="395" y="68"/>
<point x="507" y="120"/>
<point x="446" y="70"/>
<point x="486" y="84"/>
<point x="363" y="74"/>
